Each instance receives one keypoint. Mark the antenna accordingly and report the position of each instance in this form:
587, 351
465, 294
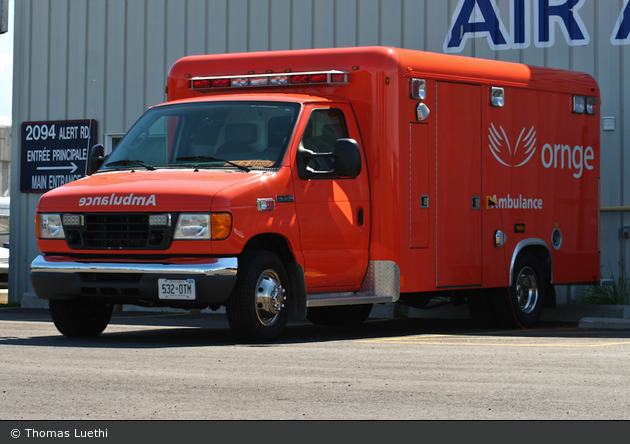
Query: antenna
88, 147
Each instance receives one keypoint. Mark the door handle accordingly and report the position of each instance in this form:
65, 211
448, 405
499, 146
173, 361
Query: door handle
424, 201
476, 202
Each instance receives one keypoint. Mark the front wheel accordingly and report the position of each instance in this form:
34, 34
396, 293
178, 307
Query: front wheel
256, 310
80, 318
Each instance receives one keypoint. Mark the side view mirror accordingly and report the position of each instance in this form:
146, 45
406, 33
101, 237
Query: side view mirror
95, 159
347, 160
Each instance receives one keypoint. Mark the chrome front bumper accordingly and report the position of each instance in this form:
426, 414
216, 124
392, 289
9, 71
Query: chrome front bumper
56, 277
224, 266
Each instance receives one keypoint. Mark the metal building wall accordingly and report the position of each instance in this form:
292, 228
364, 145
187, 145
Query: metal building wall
107, 60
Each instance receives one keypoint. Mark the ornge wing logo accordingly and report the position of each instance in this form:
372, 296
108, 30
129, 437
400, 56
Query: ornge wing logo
503, 151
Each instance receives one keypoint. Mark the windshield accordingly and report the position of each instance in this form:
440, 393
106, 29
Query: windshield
232, 135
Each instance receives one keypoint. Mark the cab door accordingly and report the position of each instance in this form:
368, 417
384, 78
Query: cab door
333, 212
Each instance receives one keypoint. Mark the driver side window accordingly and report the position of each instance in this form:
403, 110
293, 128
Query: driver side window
323, 129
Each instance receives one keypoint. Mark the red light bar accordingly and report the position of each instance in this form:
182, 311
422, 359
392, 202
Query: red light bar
334, 78
319, 78
338, 77
278, 80
240, 82
201, 84
299, 78
220, 83
259, 81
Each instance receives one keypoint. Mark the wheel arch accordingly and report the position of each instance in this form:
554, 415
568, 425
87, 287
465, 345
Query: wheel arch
279, 245
540, 250
271, 242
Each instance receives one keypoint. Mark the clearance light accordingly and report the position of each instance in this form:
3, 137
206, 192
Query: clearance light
578, 104
266, 204
591, 106
417, 89
333, 78
588, 105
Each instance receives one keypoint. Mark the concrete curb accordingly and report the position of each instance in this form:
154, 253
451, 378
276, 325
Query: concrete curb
604, 323
587, 316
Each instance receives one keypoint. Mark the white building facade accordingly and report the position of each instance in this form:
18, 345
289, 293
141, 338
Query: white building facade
106, 62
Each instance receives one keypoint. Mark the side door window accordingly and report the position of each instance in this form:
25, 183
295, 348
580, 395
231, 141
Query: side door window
323, 129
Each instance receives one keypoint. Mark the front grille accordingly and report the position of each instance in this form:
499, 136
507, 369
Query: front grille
116, 230
120, 231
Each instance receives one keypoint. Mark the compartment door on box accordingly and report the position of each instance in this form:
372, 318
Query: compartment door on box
458, 185
419, 178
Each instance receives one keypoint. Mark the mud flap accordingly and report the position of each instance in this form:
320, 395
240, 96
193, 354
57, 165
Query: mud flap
297, 306
550, 295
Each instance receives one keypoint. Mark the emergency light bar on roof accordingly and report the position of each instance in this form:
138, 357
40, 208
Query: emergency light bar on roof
333, 78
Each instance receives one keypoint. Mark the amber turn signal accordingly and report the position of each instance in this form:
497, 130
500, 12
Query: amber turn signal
220, 225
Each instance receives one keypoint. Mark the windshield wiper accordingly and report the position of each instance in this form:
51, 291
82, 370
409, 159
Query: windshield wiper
218, 159
132, 162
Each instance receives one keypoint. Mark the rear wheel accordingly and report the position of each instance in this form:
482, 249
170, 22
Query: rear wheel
523, 305
80, 318
256, 309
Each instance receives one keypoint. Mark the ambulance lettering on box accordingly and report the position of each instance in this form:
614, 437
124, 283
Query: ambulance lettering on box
317, 183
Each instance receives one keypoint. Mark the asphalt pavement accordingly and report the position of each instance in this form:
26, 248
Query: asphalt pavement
190, 366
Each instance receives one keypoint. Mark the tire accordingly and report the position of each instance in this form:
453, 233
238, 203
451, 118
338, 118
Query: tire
524, 302
339, 315
256, 310
80, 318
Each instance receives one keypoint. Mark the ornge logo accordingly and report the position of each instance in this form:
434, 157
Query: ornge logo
503, 151
557, 156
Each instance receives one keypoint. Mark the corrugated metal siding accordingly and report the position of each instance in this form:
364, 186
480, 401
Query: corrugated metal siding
107, 60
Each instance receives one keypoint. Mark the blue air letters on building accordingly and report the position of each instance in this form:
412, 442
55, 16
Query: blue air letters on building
552, 20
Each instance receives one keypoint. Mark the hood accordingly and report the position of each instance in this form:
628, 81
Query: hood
146, 191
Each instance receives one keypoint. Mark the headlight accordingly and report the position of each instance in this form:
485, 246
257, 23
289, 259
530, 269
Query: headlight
49, 226
192, 226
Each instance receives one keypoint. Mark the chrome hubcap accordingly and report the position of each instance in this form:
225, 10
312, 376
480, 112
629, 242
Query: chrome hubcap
527, 290
270, 297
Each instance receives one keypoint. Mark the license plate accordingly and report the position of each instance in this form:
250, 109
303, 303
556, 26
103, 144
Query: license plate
181, 289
